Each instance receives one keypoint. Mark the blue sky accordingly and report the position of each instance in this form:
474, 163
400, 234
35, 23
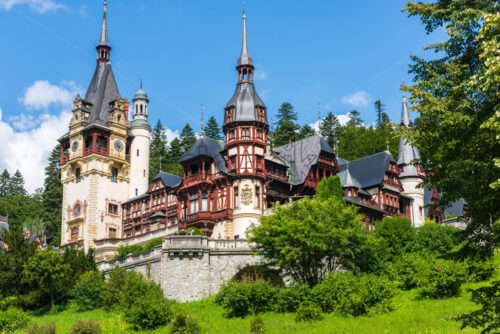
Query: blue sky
343, 54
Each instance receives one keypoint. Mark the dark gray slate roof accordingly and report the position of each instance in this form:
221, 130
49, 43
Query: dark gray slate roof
370, 170
407, 152
208, 147
302, 155
455, 208
244, 100
170, 180
101, 92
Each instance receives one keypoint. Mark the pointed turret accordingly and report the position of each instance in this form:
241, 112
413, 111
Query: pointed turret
244, 58
103, 48
407, 152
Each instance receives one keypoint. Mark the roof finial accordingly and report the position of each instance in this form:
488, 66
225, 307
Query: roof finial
244, 58
201, 123
104, 27
387, 138
141, 83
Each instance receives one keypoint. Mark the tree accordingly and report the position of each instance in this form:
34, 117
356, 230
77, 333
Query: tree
4, 183
305, 131
398, 233
51, 200
330, 188
328, 129
310, 238
16, 184
174, 154
457, 96
379, 110
188, 138
158, 150
354, 119
212, 130
286, 129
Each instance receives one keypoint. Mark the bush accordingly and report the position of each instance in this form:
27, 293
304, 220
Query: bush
436, 238
48, 328
151, 244
411, 270
346, 293
445, 279
398, 233
124, 250
479, 269
240, 299
88, 291
289, 299
148, 312
12, 320
182, 324
257, 326
86, 327
308, 313
254, 273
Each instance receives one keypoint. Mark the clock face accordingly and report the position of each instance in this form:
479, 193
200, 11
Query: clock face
76, 210
118, 145
74, 145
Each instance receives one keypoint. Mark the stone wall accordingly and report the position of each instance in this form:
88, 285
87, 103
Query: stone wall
189, 267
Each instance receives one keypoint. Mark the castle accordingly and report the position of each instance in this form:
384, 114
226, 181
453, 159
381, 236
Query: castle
226, 186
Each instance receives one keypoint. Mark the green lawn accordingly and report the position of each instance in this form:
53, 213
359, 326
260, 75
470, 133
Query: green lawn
410, 316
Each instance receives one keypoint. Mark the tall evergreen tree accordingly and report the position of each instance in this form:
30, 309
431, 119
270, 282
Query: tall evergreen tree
379, 110
354, 118
328, 129
52, 196
305, 131
286, 128
174, 154
16, 184
212, 130
4, 183
188, 138
158, 150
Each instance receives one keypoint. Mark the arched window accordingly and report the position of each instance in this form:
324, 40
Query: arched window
78, 175
141, 109
74, 233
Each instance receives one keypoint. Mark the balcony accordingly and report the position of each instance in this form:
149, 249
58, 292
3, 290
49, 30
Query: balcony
96, 150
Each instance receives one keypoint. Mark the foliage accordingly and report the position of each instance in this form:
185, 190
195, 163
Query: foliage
52, 197
259, 272
437, 238
158, 150
486, 317
151, 244
148, 311
257, 325
86, 327
458, 99
308, 313
45, 328
398, 233
89, 290
13, 319
479, 269
195, 231
349, 294
289, 299
286, 126
445, 279
184, 324
305, 131
124, 250
188, 138
330, 187
212, 130
328, 129
241, 299
310, 238
174, 154
411, 270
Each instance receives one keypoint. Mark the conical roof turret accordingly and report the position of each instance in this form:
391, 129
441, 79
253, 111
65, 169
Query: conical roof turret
244, 58
407, 152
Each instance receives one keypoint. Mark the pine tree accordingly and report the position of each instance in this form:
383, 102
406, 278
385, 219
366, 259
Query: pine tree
158, 150
52, 196
328, 128
174, 154
4, 183
305, 131
212, 130
286, 129
354, 119
16, 185
379, 110
188, 138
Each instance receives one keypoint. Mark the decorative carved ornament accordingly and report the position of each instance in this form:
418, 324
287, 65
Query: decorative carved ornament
247, 195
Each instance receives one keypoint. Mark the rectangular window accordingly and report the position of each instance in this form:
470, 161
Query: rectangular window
194, 203
74, 233
114, 175
245, 132
112, 232
204, 201
144, 173
78, 175
257, 197
349, 193
236, 199
112, 209
137, 152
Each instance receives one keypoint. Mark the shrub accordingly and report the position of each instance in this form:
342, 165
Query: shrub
182, 324
86, 327
411, 270
479, 269
151, 244
308, 313
257, 325
398, 233
289, 299
445, 279
254, 273
436, 238
346, 293
240, 299
13, 319
88, 291
148, 312
48, 328
124, 250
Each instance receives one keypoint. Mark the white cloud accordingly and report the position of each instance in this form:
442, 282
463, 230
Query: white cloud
343, 119
40, 6
28, 150
260, 75
42, 94
358, 99
23, 122
171, 135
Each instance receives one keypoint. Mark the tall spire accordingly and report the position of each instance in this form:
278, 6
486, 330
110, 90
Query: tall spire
244, 58
103, 47
405, 115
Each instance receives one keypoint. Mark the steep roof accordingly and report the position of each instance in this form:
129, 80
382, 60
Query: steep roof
302, 155
244, 100
370, 170
170, 180
208, 147
407, 152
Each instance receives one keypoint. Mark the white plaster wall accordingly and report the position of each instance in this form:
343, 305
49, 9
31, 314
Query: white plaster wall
139, 165
410, 189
